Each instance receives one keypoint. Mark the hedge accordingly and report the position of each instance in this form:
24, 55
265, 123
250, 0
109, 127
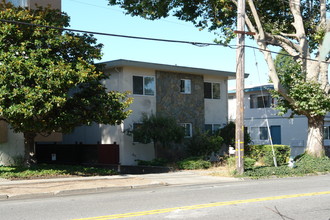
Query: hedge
264, 154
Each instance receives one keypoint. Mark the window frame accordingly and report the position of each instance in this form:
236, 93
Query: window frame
260, 135
326, 133
185, 88
213, 127
184, 125
212, 90
256, 103
144, 86
19, 3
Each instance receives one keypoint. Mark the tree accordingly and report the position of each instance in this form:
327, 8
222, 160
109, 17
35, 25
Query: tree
228, 135
48, 78
296, 26
158, 129
204, 144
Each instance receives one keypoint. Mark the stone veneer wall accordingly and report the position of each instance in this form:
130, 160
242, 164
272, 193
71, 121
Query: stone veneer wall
186, 108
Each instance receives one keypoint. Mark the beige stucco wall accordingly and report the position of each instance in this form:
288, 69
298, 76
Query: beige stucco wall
12, 148
121, 79
216, 110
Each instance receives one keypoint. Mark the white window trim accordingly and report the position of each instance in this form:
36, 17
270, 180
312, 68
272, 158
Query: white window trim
143, 86
213, 126
259, 133
256, 96
187, 89
212, 89
190, 129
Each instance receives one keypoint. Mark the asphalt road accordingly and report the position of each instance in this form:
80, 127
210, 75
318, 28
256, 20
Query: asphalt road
289, 198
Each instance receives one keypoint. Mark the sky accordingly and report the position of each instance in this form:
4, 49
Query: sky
98, 16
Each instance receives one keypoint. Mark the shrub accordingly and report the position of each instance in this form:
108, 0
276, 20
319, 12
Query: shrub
203, 144
248, 162
228, 135
264, 153
154, 162
194, 163
305, 164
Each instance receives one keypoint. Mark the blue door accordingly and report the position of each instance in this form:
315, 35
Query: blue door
275, 131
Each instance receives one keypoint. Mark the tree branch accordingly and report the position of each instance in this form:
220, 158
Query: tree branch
298, 24
260, 37
288, 35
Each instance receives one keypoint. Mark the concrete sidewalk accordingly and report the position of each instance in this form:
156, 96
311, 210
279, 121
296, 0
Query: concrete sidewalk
24, 189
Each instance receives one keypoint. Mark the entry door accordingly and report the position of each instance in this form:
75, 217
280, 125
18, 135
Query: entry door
275, 131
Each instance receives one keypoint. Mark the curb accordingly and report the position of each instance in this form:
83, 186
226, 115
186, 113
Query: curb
76, 192
3, 197
57, 180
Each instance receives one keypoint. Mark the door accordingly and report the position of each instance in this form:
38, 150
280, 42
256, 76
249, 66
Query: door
275, 132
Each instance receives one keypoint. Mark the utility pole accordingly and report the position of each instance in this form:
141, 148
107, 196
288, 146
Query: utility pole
240, 70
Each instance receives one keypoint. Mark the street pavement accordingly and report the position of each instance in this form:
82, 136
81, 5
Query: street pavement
38, 188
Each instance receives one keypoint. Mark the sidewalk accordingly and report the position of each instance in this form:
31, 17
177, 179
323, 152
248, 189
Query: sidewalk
25, 189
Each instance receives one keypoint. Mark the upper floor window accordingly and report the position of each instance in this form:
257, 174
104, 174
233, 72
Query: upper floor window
17, 3
144, 85
211, 90
260, 101
187, 129
185, 86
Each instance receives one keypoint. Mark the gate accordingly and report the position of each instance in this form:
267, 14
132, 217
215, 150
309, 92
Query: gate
78, 153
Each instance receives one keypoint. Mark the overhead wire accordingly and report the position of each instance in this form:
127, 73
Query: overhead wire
199, 44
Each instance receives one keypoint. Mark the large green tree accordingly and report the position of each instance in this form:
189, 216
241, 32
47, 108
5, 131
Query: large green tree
296, 26
48, 79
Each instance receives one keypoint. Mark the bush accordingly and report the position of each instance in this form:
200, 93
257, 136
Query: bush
228, 135
248, 162
203, 145
305, 164
193, 164
154, 162
264, 153
308, 164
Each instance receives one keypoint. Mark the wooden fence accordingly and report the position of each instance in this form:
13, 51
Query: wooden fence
78, 153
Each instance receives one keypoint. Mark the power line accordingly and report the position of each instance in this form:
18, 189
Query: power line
198, 44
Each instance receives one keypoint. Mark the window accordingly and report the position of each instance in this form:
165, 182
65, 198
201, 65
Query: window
212, 128
144, 85
185, 86
211, 90
326, 132
260, 101
187, 129
17, 3
259, 133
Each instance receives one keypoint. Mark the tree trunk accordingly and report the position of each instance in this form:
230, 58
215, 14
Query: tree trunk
315, 136
29, 150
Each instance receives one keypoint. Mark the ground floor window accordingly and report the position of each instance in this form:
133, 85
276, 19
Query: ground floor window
259, 133
212, 128
187, 129
326, 133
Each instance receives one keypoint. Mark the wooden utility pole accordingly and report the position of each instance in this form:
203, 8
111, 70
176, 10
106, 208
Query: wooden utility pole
240, 70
